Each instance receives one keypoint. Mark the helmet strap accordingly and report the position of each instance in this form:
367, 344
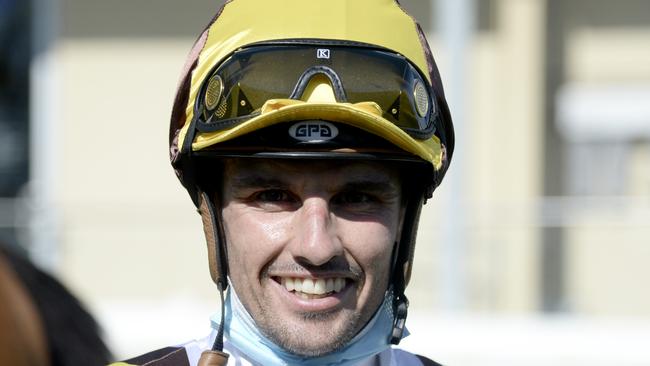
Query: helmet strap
218, 340
400, 304
215, 240
217, 257
402, 260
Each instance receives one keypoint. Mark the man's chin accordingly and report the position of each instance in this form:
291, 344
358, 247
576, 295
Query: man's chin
312, 348
314, 335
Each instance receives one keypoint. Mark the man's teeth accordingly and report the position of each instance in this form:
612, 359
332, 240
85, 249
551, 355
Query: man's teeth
311, 286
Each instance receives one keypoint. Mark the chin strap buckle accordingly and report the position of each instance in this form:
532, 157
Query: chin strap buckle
213, 358
400, 310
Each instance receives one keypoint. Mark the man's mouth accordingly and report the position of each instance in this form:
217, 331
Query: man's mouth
312, 288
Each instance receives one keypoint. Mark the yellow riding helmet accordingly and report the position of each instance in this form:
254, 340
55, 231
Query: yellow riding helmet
361, 40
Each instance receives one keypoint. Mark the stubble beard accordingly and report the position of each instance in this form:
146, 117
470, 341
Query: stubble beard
293, 338
334, 329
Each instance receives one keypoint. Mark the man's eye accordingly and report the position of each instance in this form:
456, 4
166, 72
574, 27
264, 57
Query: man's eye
354, 198
274, 195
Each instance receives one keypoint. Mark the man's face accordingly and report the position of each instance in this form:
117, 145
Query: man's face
309, 246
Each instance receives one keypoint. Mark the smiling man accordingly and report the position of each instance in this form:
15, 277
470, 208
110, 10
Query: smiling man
312, 242
309, 134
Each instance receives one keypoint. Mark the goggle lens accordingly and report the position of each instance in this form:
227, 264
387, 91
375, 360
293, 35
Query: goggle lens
240, 86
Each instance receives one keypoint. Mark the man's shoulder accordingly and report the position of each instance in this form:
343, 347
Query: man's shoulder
402, 357
178, 356
168, 356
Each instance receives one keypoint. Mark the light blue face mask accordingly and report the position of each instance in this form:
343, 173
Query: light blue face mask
241, 332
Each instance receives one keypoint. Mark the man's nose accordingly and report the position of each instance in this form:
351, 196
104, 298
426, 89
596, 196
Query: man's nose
316, 241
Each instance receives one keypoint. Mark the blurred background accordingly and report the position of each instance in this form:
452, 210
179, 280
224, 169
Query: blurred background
535, 250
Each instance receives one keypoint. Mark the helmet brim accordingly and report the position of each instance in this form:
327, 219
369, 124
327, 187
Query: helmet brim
429, 150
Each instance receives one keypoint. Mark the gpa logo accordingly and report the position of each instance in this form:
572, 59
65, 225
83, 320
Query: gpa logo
313, 132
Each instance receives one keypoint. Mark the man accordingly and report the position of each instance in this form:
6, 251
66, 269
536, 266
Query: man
308, 134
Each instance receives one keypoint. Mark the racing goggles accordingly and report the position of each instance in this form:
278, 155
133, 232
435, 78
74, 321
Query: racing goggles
238, 87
